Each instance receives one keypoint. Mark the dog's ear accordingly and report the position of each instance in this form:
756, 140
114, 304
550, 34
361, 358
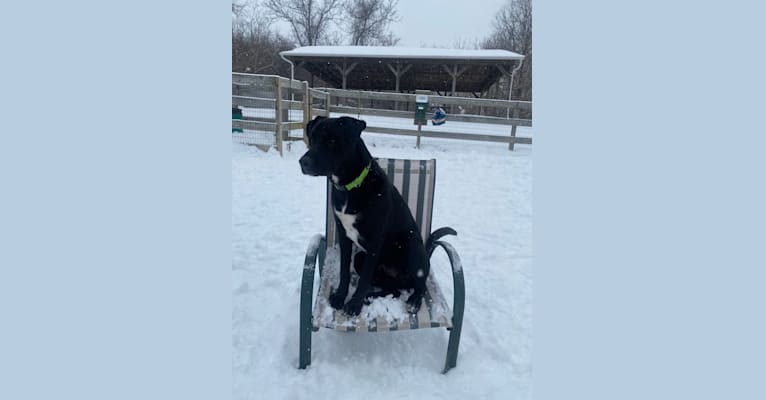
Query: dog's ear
357, 124
313, 122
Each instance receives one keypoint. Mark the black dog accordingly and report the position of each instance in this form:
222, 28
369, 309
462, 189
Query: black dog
369, 212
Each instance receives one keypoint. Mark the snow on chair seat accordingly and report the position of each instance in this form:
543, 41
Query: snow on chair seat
383, 313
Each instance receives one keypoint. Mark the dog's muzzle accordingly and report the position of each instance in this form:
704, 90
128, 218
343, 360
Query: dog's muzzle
307, 165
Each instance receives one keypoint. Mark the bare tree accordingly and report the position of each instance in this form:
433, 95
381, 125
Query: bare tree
236, 8
513, 31
469, 44
309, 20
389, 39
248, 19
254, 46
368, 21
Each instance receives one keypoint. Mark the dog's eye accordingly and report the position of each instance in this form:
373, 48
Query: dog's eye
332, 140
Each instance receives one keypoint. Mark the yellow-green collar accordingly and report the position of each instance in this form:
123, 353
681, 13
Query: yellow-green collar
356, 182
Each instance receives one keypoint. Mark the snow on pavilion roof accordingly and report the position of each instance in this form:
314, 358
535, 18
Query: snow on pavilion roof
402, 53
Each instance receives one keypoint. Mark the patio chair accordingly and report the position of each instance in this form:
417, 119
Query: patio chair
415, 180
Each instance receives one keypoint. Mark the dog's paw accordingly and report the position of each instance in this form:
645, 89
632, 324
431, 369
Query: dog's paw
337, 299
413, 303
354, 306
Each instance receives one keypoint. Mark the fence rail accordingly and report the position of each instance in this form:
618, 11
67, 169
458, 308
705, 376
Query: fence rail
408, 114
447, 100
268, 109
450, 135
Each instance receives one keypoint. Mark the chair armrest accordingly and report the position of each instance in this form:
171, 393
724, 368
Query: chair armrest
457, 280
309, 265
312, 251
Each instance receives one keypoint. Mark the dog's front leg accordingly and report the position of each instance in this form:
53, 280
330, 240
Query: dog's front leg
371, 260
338, 298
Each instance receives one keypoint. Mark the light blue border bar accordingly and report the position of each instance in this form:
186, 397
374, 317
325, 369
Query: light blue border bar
115, 219
649, 200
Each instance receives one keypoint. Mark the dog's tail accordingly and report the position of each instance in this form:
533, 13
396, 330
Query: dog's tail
436, 235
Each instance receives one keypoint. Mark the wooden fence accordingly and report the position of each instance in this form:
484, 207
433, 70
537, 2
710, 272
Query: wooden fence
259, 119
256, 96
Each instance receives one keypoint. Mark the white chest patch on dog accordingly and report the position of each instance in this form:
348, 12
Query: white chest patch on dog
348, 220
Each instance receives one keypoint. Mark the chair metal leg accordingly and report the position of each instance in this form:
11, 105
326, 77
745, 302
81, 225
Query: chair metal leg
452, 347
458, 305
307, 289
304, 355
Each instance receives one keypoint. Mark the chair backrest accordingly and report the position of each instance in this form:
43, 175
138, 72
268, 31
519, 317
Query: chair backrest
415, 180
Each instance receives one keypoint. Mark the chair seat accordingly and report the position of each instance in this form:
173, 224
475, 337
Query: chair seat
383, 313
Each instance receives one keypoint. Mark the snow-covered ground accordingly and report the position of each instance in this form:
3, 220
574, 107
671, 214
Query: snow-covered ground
483, 191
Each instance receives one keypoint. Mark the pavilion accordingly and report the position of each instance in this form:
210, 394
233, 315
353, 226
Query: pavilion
405, 69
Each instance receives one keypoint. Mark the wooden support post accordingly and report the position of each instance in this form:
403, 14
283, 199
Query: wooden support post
359, 104
344, 72
454, 79
328, 101
506, 73
398, 72
396, 103
454, 84
513, 128
454, 73
278, 113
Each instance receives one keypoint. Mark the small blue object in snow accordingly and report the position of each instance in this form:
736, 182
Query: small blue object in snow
439, 118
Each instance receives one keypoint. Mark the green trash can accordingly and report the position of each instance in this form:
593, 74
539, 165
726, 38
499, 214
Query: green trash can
236, 113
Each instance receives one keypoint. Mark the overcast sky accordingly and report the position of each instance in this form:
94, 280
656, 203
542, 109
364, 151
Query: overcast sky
441, 23
444, 22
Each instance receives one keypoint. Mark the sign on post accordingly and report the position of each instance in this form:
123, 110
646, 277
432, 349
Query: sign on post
421, 103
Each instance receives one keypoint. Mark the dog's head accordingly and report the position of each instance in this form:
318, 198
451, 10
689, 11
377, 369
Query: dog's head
331, 142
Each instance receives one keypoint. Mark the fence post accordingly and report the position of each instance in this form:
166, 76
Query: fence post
513, 128
278, 113
359, 104
306, 110
417, 145
328, 101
